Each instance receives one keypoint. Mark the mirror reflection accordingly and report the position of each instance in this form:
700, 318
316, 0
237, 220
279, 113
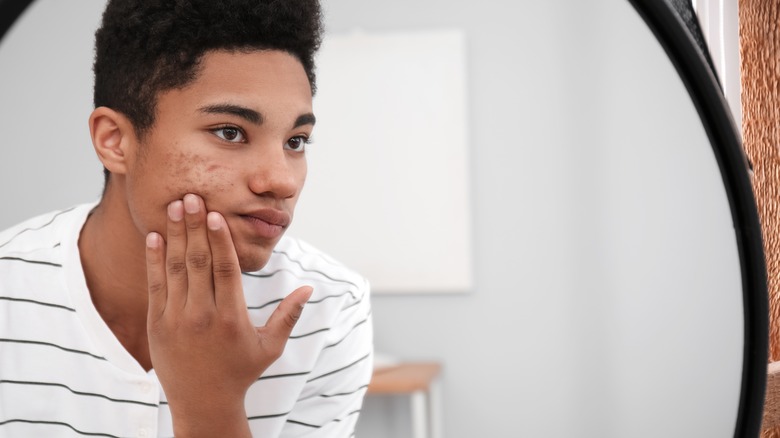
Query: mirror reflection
605, 297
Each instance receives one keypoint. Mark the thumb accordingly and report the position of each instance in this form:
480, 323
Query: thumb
282, 321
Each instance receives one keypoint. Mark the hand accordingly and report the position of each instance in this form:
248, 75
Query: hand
203, 346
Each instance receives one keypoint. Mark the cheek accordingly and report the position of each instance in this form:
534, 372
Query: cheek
158, 180
191, 173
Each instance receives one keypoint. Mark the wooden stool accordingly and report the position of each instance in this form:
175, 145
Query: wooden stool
420, 381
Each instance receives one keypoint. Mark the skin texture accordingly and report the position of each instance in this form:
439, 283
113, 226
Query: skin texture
164, 250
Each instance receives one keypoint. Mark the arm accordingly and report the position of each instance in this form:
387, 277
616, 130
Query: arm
204, 348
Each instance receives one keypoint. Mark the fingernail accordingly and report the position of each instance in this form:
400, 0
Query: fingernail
191, 204
175, 211
214, 221
153, 240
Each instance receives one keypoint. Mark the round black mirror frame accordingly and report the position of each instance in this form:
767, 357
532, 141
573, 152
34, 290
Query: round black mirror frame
694, 67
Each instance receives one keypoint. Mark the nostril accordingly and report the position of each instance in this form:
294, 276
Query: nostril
277, 185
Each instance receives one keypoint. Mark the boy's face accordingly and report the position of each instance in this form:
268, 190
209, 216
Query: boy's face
235, 136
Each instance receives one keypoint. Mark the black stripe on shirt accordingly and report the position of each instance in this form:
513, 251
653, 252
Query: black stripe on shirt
320, 255
47, 344
317, 301
333, 296
297, 262
37, 262
41, 303
342, 394
296, 274
279, 300
88, 394
340, 369
262, 417
301, 423
348, 333
57, 423
335, 420
280, 376
310, 334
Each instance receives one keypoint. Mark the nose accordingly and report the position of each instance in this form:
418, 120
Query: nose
277, 174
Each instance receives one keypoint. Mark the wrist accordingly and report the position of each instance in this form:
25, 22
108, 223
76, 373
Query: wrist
195, 420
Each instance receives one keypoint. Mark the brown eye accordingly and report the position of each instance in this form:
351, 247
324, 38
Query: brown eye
297, 144
230, 134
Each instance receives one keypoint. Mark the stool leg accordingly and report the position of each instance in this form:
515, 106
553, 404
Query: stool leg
436, 410
418, 403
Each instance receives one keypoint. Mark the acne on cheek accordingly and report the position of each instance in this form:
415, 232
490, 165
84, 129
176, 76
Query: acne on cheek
196, 174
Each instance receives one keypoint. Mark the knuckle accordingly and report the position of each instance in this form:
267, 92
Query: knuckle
230, 327
193, 223
224, 269
156, 288
198, 260
176, 266
291, 319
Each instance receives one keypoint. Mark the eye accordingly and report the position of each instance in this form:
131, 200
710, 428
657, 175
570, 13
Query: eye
230, 133
297, 143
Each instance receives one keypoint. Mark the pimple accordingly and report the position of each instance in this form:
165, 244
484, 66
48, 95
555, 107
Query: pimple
198, 174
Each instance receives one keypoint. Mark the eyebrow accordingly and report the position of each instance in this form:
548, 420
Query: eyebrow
305, 119
247, 114
253, 116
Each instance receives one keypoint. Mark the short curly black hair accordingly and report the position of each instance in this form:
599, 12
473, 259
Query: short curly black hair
144, 47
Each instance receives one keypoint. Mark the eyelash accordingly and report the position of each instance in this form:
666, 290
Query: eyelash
240, 132
305, 142
305, 139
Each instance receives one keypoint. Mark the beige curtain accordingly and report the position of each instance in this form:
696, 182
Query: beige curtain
759, 35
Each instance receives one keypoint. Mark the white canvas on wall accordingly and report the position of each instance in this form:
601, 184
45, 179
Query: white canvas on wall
388, 186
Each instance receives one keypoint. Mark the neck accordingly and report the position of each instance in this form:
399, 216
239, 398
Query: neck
113, 258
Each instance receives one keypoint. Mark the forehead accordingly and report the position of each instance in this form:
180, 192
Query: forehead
267, 80
252, 67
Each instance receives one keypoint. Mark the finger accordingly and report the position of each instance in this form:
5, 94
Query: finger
156, 275
282, 321
176, 245
200, 284
226, 271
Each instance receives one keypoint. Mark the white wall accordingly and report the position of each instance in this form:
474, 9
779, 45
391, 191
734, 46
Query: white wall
607, 300
47, 159
607, 295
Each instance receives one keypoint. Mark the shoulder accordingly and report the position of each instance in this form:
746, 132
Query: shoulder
33, 257
37, 239
42, 231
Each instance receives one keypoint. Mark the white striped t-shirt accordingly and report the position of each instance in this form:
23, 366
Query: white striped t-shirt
64, 374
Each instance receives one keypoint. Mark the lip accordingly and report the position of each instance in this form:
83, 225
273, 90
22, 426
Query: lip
267, 222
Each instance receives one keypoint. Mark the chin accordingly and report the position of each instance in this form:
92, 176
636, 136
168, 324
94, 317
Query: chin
251, 261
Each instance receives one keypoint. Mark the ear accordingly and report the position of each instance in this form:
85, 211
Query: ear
113, 138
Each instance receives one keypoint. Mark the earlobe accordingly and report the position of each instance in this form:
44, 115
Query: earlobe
112, 137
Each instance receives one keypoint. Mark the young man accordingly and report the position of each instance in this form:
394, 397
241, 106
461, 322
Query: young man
175, 304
